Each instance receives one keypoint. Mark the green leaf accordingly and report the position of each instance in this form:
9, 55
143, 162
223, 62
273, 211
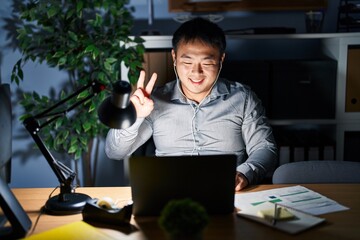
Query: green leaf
62, 61
59, 122
92, 107
90, 48
25, 116
73, 140
111, 60
20, 73
78, 154
70, 13
62, 94
83, 140
93, 50
73, 36
36, 96
52, 11
107, 66
58, 54
59, 139
72, 149
98, 20
86, 126
102, 76
77, 128
79, 6
83, 94
95, 53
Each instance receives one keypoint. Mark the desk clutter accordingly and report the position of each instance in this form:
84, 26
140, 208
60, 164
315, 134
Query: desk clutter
232, 226
104, 211
297, 223
289, 209
75, 231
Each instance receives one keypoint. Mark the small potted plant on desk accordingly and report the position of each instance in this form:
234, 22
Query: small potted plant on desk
183, 219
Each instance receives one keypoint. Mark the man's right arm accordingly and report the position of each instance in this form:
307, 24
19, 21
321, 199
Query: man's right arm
123, 142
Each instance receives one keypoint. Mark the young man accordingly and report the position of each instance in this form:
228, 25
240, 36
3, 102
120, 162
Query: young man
200, 113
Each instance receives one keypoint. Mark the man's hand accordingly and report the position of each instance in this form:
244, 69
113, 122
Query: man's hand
141, 97
240, 181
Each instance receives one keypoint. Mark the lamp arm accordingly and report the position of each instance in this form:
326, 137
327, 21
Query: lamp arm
64, 174
33, 127
96, 88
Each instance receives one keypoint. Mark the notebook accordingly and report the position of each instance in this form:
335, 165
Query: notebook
209, 180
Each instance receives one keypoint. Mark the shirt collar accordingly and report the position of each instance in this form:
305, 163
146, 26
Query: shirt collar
220, 88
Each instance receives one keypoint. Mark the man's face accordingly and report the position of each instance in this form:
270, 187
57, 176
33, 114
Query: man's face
197, 66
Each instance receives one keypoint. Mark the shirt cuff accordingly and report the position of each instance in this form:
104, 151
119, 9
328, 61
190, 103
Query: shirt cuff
247, 171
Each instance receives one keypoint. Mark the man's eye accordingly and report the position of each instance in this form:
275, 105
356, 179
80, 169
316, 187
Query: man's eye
187, 63
209, 64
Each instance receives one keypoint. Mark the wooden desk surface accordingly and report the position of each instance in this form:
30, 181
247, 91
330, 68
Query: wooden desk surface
338, 225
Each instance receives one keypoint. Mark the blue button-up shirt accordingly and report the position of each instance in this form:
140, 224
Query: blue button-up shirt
230, 120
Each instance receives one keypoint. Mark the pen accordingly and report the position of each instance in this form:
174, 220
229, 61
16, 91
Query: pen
276, 214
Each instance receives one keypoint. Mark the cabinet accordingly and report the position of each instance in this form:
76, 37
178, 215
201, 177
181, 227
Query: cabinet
159, 61
304, 81
244, 5
353, 79
348, 16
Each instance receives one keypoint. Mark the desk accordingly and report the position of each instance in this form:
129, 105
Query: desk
338, 225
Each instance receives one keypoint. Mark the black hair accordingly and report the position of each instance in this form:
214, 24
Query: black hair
200, 29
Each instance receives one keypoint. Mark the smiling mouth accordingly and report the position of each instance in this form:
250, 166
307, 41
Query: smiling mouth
196, 81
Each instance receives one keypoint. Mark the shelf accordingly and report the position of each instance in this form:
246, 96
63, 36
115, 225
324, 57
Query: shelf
349, 21
350, 8
348, 15
245, 5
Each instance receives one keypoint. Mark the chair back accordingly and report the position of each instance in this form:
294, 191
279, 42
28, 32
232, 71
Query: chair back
325, 171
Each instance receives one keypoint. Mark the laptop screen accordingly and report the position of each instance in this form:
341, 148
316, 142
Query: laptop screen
209, 180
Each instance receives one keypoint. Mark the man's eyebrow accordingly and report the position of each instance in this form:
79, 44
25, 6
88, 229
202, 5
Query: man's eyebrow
209, 57
185, 56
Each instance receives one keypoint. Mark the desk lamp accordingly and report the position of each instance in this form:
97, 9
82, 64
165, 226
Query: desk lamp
116, 112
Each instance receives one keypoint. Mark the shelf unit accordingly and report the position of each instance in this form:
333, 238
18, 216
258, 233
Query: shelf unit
343, 126
348, 16
245, 5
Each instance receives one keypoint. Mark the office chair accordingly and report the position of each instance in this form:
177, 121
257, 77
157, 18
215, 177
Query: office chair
318, 172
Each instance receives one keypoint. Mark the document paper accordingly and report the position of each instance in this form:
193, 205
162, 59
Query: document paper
295, 197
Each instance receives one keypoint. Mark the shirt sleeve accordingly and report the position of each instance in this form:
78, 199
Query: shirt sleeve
120, 143
259, 140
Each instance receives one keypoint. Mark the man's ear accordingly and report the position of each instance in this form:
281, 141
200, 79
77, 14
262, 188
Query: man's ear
173, 55
222, 58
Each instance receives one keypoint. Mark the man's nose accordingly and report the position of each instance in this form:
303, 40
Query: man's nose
197, 68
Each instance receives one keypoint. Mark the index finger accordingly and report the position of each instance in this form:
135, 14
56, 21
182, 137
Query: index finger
141, 80
151, 83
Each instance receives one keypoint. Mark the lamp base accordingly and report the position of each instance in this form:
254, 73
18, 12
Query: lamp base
72, 203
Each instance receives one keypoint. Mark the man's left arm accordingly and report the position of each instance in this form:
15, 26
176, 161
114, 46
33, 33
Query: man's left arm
260, 143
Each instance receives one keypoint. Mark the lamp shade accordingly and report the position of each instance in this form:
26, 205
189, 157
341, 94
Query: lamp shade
117, 111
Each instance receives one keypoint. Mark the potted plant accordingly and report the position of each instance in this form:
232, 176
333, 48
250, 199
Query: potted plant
183, 219
87, 38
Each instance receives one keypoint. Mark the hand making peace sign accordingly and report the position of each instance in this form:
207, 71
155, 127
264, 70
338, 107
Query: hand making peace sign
141, 97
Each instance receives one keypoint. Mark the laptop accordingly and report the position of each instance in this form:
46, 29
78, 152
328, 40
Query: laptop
12, 211
209, 180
